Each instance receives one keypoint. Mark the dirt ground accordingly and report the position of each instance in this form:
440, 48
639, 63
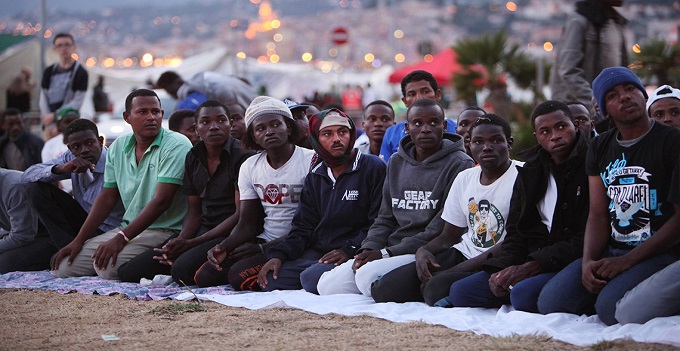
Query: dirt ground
46, 320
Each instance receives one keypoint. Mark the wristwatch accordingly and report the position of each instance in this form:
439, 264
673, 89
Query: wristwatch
384, 253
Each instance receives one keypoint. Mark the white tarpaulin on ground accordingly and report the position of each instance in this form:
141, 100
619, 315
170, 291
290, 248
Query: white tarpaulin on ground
573, 329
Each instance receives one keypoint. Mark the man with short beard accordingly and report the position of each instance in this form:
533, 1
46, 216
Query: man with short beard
418, 179
339, 202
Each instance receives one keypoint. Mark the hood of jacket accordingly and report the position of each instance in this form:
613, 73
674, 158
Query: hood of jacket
450, 143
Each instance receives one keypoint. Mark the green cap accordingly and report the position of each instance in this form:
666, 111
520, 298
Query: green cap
66, 111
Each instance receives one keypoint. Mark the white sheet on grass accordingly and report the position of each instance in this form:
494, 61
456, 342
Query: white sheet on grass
577, 330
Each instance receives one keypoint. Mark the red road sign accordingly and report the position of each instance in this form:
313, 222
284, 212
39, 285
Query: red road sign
339, 36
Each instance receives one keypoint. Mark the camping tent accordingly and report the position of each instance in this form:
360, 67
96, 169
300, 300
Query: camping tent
443, 66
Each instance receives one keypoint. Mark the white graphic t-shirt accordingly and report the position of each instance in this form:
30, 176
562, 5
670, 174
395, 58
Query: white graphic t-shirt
483, 209
278, 189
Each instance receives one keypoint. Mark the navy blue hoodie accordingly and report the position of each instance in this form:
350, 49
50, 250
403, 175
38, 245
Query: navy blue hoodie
336, 216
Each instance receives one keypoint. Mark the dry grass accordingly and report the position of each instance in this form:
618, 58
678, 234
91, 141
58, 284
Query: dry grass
45, 320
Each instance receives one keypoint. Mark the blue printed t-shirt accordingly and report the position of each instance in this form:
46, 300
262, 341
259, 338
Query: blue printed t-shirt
162, 162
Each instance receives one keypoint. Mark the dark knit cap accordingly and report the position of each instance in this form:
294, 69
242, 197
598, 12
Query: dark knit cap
611, 77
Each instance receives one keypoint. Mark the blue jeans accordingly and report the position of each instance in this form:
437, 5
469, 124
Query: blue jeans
289, 274
565, 292
309, 278
474, 291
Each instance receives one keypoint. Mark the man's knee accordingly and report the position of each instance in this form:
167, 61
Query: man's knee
75, 269
309, 278
109, 273
339, 280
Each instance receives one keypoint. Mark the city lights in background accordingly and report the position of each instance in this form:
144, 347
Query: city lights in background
636, 48
548, 46
260, 38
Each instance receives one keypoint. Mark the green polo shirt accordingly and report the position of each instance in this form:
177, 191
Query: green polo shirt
163, 162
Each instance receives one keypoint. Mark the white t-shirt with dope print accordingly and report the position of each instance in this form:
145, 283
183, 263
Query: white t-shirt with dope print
277, 189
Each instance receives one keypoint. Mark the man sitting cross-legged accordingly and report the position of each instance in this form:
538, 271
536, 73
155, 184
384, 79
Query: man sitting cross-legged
144, 170
339, 202
475, 214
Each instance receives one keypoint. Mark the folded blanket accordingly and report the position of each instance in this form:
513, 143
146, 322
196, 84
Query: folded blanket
44, 280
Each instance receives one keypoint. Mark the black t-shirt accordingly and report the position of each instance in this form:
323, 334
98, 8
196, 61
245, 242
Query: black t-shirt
642, 181
216, 191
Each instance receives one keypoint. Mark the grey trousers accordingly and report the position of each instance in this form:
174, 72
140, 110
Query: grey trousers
656, 296
83, 265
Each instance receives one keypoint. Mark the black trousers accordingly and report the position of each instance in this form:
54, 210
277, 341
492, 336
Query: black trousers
33, 257
403, 285
61, 215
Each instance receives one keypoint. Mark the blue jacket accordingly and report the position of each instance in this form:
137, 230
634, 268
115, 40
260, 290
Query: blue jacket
335, 216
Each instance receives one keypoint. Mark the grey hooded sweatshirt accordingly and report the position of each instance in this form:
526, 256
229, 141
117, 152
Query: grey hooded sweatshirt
413, 196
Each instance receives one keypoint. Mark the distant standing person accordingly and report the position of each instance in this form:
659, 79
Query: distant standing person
20, 91
63, 83
99, 98
592, 40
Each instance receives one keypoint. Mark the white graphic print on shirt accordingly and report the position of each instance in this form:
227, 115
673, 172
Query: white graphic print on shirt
632, 201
